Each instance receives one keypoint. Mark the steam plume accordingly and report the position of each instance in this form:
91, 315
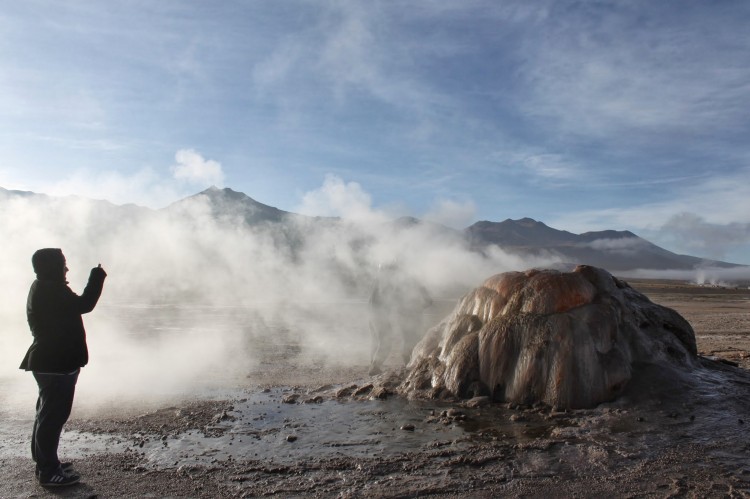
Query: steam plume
194, 296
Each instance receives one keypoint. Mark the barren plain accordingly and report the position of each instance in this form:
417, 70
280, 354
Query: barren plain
320, 431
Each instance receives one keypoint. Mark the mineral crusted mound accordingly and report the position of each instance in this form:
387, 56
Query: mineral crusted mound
570, 340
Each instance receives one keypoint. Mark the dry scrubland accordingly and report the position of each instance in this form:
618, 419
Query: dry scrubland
688, 438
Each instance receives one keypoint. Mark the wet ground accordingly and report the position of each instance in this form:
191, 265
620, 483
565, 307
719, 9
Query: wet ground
314, 430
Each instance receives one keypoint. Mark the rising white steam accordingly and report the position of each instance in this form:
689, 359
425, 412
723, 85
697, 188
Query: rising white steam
195, 295
337, 198
714, 276
452, 213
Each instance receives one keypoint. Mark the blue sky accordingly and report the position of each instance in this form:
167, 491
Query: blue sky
586, 115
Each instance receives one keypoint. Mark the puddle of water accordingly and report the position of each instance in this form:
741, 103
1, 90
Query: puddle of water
496, 422
266, 428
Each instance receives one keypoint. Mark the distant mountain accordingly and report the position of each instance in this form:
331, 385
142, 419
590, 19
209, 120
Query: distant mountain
610, 249
100, 207
7, 194
229, 203
523, 233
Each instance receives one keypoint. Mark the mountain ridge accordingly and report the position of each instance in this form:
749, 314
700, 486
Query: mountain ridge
611, 249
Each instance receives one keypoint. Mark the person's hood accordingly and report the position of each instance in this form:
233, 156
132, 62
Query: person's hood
49, 264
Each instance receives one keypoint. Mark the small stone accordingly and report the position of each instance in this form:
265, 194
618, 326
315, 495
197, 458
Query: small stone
408, 427
380, 393
291, 438
477, 402
362, 390
344, 392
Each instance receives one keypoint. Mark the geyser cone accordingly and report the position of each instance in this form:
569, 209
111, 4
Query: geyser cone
570, 340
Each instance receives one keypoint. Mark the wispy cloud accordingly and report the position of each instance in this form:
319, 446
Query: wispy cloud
710, 216
77, 142
549, 167
353, 57
693, 232
608, 68
623, 246
194, 169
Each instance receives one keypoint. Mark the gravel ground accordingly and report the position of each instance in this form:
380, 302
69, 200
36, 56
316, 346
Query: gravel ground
305, 431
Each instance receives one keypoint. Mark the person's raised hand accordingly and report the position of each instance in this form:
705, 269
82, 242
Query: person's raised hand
99, 271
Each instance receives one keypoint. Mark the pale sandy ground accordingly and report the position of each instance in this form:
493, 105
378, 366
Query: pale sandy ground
307, 431
719, 316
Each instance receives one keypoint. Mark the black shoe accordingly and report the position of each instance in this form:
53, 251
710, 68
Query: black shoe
59, 479
67, 469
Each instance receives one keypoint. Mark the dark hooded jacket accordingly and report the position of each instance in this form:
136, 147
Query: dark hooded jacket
54, 314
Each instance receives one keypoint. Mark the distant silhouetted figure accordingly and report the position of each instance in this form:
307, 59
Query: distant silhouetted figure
56, 356
397, 304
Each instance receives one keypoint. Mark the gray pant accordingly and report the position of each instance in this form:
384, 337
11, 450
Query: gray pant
53, 408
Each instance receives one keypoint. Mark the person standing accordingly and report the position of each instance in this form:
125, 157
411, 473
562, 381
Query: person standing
56, 355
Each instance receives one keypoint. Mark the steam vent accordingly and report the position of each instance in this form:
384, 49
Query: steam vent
570, 340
